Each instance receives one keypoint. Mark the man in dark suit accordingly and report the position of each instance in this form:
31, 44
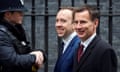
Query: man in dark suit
64, 28
97, 55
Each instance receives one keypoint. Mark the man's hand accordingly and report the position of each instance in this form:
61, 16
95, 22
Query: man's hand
39, 58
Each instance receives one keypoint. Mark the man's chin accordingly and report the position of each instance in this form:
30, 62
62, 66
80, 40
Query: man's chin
81, 36
19, 22
59, 35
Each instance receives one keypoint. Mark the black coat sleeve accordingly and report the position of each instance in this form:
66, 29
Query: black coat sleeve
8, 55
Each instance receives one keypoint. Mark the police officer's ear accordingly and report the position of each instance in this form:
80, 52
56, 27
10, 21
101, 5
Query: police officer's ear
7, 14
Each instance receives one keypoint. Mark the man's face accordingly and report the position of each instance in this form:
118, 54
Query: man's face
63, 24
84, 26
15, 17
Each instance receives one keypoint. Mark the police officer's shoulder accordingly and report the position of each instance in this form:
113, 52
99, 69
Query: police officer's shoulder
3, 28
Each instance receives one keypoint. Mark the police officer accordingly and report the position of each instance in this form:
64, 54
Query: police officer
15, 54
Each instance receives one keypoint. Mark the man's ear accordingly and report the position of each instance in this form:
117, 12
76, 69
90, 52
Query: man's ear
96, 22
7, 14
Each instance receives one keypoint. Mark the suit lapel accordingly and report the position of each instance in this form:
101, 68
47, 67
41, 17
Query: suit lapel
88, 52
69, 49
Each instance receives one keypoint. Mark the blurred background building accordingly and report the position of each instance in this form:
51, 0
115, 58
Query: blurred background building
39, 24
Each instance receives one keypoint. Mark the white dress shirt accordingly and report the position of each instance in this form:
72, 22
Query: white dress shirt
68, 40
88, 41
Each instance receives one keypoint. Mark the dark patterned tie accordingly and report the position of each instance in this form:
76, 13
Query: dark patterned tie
61, 48
80, 52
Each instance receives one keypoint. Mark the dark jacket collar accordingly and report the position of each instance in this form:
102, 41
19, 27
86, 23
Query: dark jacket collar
16, 29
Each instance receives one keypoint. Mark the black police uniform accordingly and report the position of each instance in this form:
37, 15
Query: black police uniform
14, 48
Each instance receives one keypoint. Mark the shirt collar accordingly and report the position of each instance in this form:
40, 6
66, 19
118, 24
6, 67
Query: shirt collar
69, 38
87, 42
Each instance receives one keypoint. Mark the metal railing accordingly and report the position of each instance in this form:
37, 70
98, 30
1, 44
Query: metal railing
46, 15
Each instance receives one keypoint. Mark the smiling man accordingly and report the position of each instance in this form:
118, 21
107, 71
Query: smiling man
97, 55
65, 31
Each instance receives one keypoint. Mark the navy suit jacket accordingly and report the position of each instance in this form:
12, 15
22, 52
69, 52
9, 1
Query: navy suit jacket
98, 57
65, 61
